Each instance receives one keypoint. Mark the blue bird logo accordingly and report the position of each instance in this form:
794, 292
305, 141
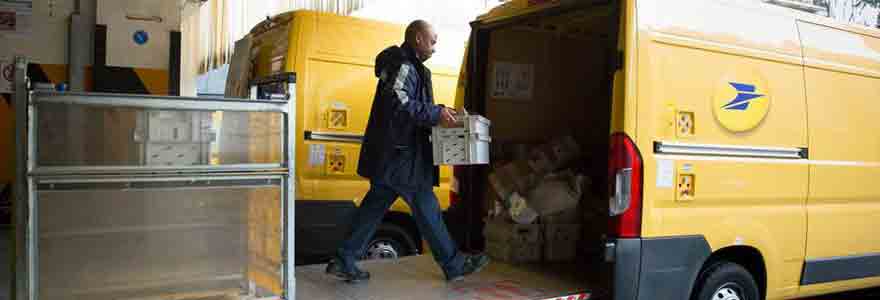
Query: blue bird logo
745, 95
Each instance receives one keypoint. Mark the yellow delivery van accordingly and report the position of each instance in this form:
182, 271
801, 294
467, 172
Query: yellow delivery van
731, 144
331, 58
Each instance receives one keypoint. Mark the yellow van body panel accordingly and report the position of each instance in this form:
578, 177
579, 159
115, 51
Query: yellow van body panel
811, 83
629, 44
333, 58
685, 61
843, 63
845, 155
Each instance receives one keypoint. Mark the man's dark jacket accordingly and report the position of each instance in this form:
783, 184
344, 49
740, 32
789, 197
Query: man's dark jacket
396, 148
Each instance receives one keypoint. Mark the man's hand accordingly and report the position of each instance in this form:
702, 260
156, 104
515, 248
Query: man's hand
447, 118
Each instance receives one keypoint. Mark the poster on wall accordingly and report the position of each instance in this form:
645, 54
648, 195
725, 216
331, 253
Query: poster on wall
15, 20
513, 81
7, 20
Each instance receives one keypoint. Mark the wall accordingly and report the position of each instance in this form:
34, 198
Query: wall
213, 83
46, 41
568, 96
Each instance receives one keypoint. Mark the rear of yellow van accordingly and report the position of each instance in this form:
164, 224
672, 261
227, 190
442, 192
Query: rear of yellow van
726, 139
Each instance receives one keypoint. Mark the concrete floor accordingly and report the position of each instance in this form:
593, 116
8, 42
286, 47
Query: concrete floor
333, 289
419, 277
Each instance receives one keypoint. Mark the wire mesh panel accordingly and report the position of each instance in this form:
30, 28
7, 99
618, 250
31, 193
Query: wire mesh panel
75, 135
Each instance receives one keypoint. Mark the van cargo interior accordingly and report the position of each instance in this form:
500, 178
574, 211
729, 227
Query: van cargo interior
539, 78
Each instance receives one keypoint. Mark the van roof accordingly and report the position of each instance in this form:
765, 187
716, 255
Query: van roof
447, 61
515, 8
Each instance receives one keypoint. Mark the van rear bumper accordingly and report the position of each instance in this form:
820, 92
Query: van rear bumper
656, 268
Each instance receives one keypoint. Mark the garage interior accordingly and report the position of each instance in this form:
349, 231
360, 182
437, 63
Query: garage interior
169, 189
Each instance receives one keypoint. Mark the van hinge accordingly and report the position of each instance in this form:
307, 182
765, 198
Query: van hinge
619, 60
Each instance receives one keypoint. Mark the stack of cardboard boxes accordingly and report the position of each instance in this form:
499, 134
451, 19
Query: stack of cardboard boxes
511, 242
536, 213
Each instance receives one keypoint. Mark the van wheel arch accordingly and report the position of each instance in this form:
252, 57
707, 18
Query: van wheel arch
747, 257
407, 223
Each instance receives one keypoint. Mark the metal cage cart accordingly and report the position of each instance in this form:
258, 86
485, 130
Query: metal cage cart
151, 197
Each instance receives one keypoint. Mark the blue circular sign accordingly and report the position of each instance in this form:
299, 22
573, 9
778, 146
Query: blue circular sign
141, 37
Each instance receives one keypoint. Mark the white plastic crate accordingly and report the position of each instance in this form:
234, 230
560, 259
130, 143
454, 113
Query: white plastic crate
465, 145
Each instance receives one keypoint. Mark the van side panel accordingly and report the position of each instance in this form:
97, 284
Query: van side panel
339, 93
264, 236
333, 59
704, 79
843, 87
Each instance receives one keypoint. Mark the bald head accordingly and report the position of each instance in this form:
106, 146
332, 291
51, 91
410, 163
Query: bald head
421, 36
415, 28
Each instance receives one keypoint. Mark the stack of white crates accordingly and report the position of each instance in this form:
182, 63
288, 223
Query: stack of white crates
467, 144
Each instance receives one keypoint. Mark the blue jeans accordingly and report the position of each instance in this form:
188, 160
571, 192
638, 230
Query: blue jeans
426, 212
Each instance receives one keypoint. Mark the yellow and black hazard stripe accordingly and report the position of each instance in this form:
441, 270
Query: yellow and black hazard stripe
110, 79
49, 73
55, 73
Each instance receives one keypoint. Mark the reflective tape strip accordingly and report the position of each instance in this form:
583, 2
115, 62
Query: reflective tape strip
399, 84
334, 137
729, 150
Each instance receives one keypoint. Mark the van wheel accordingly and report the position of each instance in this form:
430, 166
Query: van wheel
726, 281
389, 242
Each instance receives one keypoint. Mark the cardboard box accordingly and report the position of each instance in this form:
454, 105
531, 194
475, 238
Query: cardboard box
514, 252
562, 232
561, 242
500, 230
513, 177
560, 250
568, 216
554, 155
556, 193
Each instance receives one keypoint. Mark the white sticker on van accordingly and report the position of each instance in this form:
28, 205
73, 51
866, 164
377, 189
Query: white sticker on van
665, 173
687, 168
513, 81
317, 152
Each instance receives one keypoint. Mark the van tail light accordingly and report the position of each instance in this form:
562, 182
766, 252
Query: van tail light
625, 187
454, 197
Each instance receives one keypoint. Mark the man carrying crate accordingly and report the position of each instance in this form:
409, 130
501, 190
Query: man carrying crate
396, 156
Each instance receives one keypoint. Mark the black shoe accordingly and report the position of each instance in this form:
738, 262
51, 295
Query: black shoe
335, 268
472, 264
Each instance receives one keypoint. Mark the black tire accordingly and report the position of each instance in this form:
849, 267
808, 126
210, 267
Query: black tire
723, 279
393, 236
